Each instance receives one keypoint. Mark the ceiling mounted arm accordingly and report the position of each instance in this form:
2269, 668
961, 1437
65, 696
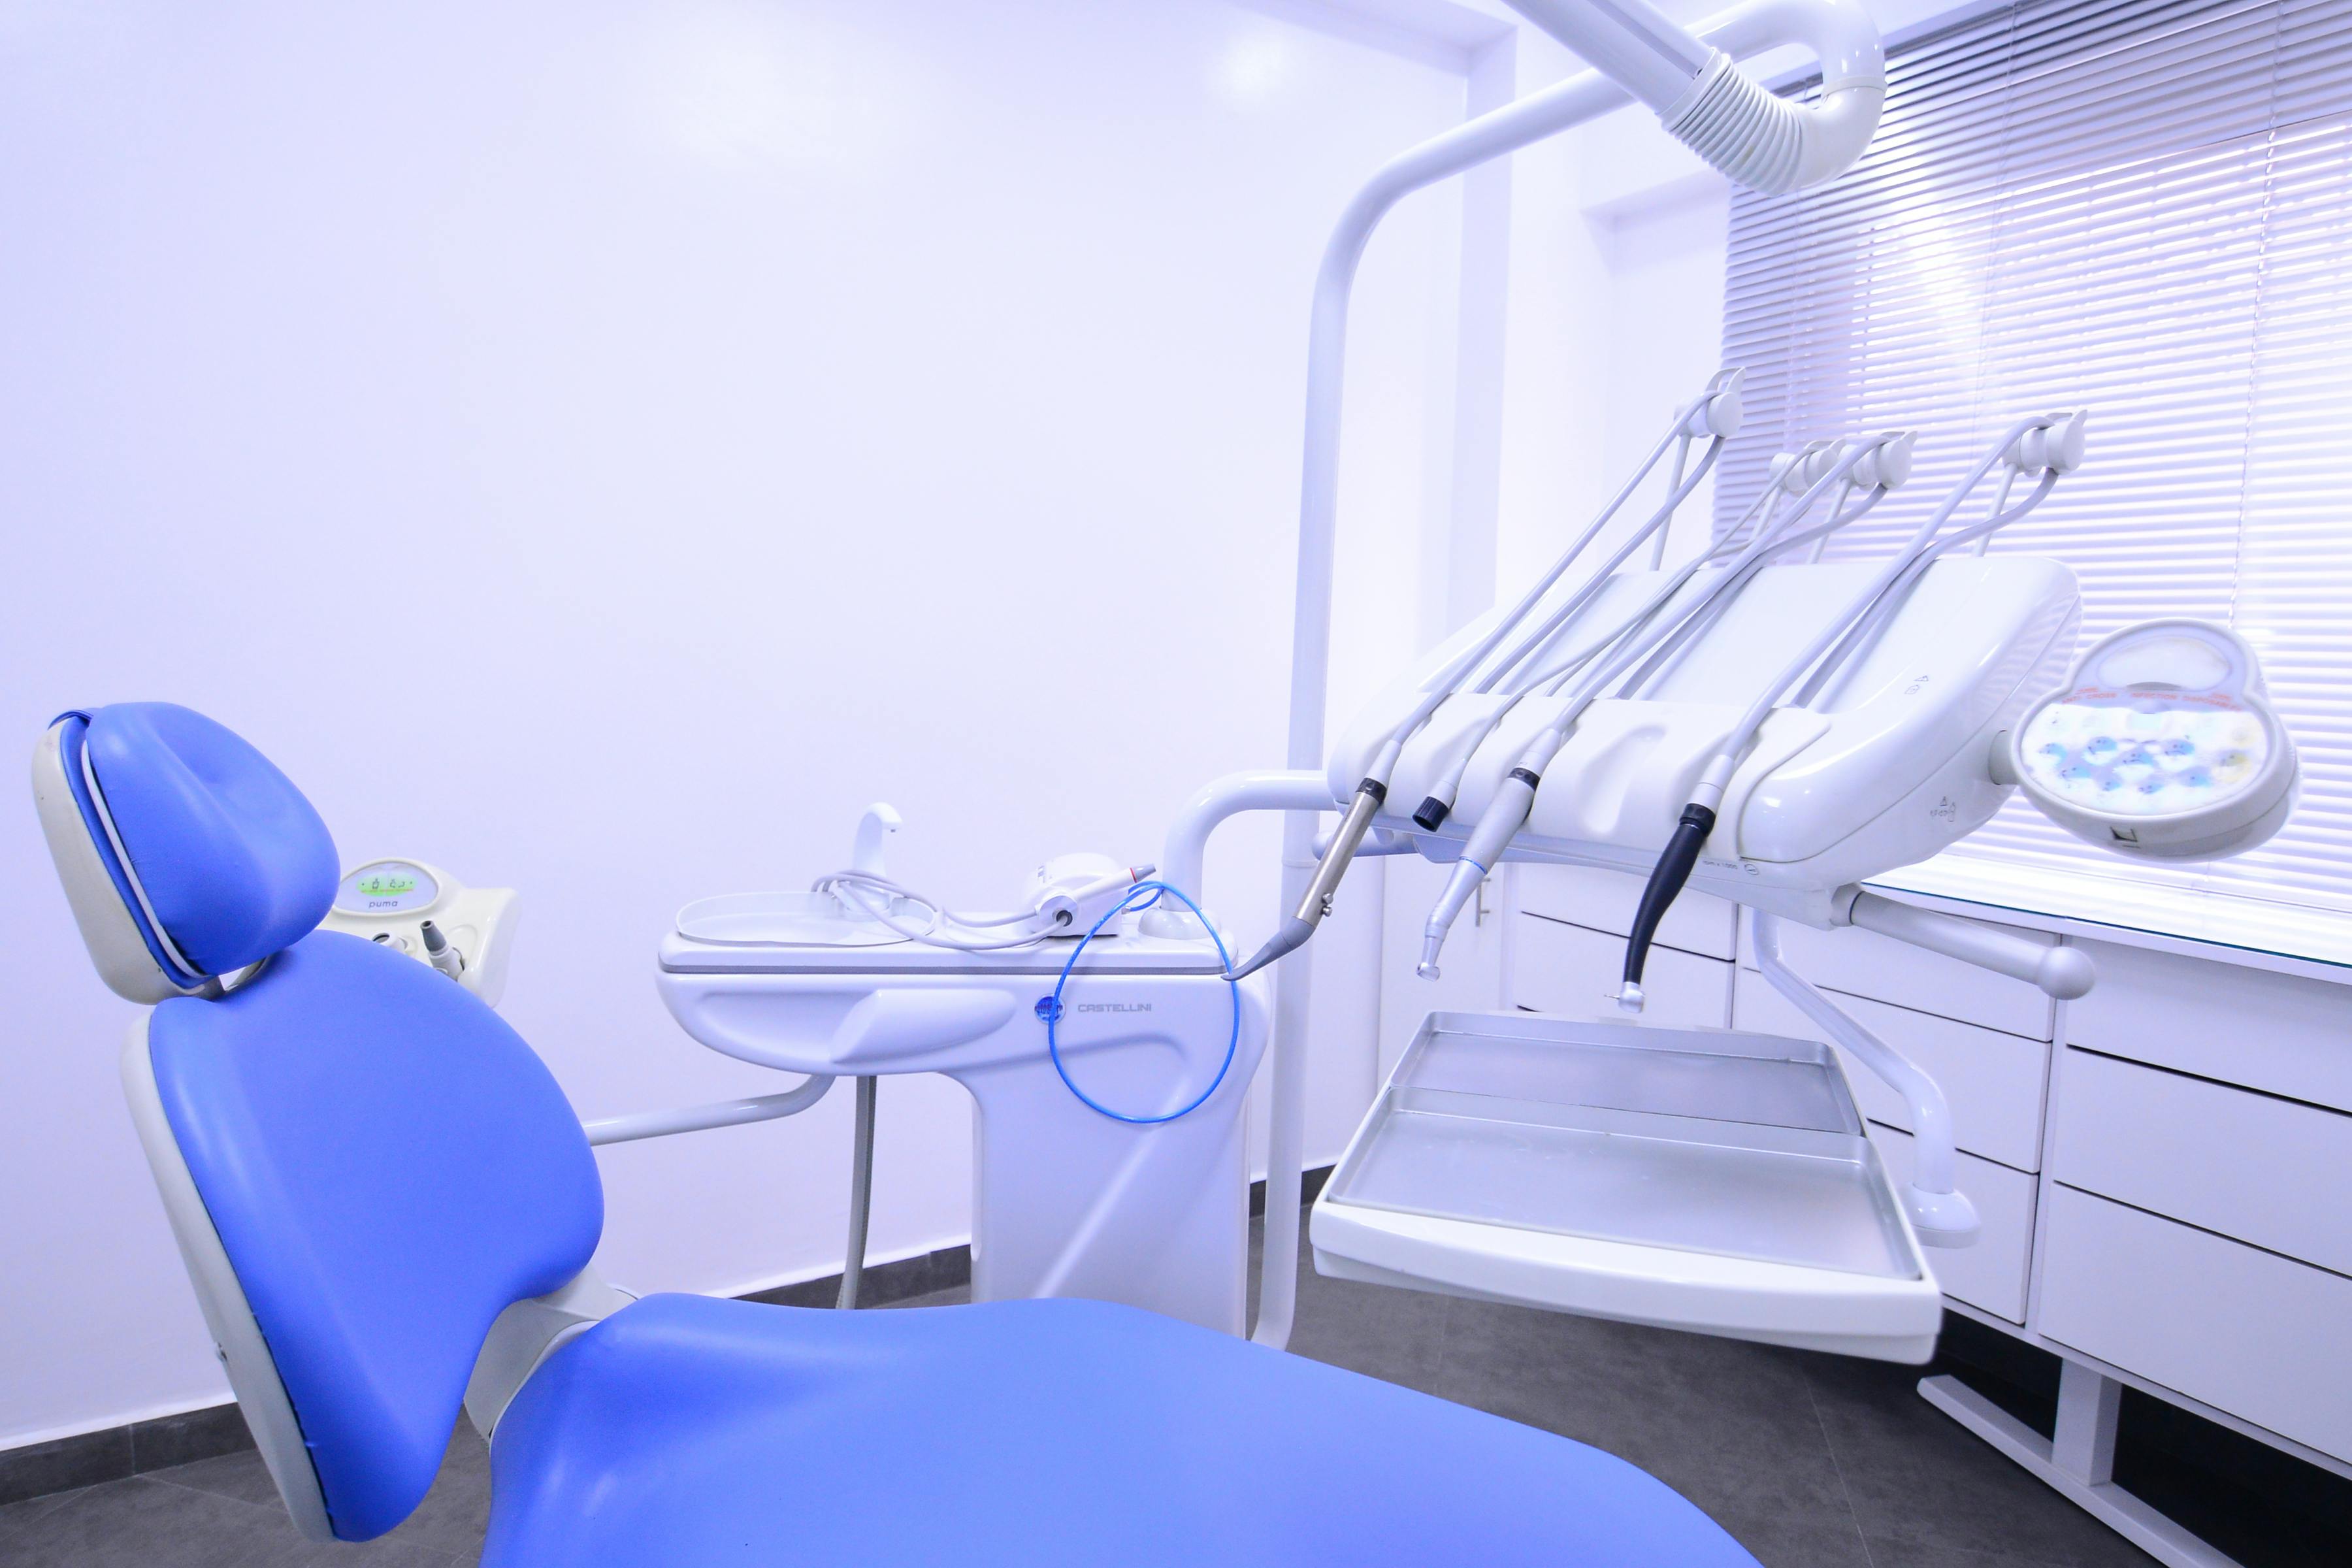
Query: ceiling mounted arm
1764, 142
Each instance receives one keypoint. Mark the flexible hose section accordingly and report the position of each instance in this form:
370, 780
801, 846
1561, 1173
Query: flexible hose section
1766, 142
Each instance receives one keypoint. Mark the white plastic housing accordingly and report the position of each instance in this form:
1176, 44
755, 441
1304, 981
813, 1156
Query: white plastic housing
1066, 1201
388, 899
115, 946
236, 1338
2161, 746
1889, 769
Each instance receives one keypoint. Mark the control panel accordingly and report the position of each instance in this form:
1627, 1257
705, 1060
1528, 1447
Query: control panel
412, 908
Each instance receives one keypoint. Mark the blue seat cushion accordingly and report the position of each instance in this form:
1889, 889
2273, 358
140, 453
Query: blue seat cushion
688, 1431
233, 860
389, 1167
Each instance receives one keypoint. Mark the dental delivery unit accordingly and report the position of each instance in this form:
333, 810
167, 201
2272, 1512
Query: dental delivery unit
387, 1207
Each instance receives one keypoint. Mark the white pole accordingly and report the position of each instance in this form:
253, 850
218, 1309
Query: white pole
1506, 130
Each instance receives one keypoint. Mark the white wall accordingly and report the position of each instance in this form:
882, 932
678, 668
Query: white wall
599, 446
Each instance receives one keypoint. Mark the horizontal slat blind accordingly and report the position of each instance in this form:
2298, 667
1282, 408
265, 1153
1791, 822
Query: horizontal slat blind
2140, 206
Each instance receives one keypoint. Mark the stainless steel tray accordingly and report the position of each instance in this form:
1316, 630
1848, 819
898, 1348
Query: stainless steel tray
1704, 1141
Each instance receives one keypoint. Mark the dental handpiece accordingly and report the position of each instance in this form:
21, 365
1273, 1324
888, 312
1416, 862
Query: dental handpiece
1642, 638
1432, 812
1317, 901
1718, 412
1715, 414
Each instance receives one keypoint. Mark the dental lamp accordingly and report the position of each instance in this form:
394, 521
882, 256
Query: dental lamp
2161, 746
1757, 139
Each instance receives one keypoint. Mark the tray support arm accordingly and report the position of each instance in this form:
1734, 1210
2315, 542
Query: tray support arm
1939, 1211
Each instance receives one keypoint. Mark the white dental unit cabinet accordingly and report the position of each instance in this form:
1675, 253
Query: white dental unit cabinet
1592, 756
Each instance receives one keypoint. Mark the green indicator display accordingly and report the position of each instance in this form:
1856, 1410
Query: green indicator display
387, 887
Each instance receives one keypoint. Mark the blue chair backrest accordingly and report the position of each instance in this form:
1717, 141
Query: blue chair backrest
386, 1164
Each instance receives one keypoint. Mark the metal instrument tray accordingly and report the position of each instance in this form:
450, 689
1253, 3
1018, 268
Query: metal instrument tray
1695, 1140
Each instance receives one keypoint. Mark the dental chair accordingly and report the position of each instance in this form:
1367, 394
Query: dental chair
371, 1177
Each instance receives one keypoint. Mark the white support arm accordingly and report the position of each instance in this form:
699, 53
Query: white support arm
2064, 972
1744, 30
1942, 1214
1763, 142
1188, 838
700, 1118
1305, 794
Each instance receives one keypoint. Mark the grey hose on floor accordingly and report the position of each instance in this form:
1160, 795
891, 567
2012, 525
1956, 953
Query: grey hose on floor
861, 1193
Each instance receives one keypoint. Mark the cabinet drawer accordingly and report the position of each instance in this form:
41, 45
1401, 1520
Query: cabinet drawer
1605, 901
2247, 1332
2247, 1166
2282, 1033
1864, 964
1991, 1274
1993, 1082
1574, 972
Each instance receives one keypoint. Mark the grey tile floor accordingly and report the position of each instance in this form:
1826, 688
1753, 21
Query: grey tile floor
1811, 1461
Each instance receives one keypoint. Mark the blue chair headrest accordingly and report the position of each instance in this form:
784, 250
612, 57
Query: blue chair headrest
216, 858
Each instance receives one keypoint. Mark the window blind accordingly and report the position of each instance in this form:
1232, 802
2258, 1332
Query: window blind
2145, 207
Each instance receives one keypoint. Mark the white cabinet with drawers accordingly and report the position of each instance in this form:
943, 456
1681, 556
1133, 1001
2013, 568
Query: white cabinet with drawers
1605, 901
2238, 1329
2273, 1172
2163, 1167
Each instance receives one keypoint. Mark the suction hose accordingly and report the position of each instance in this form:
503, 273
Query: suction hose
1665, 883
1768, 143
1764, 142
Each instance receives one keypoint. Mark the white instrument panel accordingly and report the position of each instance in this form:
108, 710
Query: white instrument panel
1888, 766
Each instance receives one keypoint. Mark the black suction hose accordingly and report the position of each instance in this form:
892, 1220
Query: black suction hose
1666, 879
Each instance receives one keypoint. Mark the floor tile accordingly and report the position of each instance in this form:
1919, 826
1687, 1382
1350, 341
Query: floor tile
144, 1523
451, 1519
1780, 1542
1398, 1336
16, 1516
1730, 1426
952, 1296
240, 1475
1890, 1553
1921, 1483
455, 1513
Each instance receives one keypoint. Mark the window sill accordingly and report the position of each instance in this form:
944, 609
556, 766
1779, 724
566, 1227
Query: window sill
2219, 928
